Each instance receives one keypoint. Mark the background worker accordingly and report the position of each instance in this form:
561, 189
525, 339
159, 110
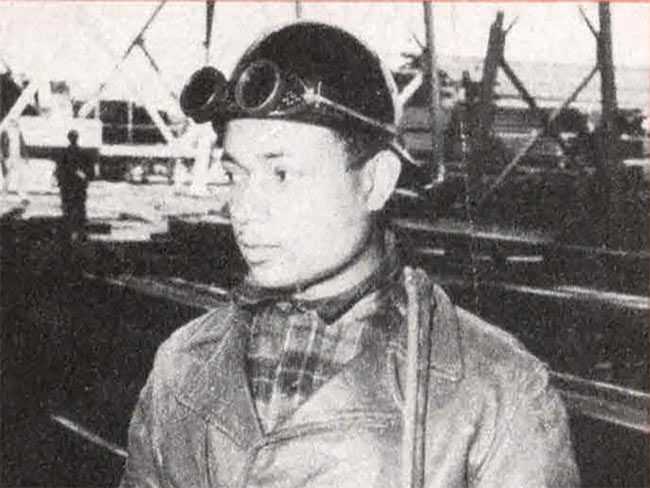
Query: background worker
73, 173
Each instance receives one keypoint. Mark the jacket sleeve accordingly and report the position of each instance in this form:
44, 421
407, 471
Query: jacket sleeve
531, 446
143, 465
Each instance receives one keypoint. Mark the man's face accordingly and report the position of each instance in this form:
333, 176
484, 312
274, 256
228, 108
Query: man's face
297, 209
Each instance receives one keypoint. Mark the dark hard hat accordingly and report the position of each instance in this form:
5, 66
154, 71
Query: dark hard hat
309, 72
349, 72
268, 80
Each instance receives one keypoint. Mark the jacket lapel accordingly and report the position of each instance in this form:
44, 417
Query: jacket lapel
360, 390
370, 384
219, 389
446, 359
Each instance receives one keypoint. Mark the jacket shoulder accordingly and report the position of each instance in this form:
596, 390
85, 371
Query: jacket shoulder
183, 348
475, 349
488, 349
207, 328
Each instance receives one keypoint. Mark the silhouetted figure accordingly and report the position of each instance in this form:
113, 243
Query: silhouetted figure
472, 88
73, 171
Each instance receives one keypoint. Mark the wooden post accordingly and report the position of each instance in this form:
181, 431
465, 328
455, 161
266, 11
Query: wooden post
490, 68
608, 165
481, 115
606, 64
435, 111
607, 84
209, 17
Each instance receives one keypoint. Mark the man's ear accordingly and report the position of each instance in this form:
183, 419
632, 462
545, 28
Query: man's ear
379, 178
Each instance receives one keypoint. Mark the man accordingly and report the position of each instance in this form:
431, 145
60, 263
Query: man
73, 171
302, 378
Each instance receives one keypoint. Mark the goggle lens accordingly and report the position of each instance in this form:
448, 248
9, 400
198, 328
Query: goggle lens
258, 87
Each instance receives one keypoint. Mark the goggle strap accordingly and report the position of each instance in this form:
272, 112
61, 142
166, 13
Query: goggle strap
401, 151
317, 99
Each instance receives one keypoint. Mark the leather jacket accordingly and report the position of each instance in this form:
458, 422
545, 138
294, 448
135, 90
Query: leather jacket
492, 418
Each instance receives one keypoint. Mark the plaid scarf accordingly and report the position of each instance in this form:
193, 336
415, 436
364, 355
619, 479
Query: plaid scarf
297, 346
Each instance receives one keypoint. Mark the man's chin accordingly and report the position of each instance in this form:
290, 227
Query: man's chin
267, 275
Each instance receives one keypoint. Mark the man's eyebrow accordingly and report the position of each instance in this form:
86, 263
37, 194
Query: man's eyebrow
230, 159
274, 154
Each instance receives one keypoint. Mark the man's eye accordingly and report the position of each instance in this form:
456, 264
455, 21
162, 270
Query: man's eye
233, 176
280, 174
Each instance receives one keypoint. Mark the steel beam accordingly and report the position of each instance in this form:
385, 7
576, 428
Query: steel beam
536, 135
138, 39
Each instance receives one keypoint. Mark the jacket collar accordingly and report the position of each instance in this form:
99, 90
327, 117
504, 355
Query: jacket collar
329, 309
219, 390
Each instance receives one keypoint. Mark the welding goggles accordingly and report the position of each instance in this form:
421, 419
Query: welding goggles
305, 71
264, 90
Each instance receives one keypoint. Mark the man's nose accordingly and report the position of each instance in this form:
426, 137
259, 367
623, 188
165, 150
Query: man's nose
249, 202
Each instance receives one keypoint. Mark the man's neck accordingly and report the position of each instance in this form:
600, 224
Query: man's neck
354, 273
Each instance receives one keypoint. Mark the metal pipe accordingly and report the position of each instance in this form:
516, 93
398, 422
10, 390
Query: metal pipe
89, 436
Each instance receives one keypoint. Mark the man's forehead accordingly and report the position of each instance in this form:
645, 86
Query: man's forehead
271, 129
267, 137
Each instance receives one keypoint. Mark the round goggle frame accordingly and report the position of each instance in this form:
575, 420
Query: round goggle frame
259, 88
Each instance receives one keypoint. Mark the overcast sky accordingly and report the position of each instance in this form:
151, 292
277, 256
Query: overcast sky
69, 40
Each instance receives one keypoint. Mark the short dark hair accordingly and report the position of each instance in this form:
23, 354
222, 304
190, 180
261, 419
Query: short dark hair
362, 144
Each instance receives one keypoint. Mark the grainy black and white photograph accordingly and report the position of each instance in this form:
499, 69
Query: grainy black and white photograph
317, 244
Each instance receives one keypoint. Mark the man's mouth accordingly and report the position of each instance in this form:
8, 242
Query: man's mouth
256, 245
257, 253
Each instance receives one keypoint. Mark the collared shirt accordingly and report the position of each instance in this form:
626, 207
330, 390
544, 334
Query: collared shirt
297, 346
